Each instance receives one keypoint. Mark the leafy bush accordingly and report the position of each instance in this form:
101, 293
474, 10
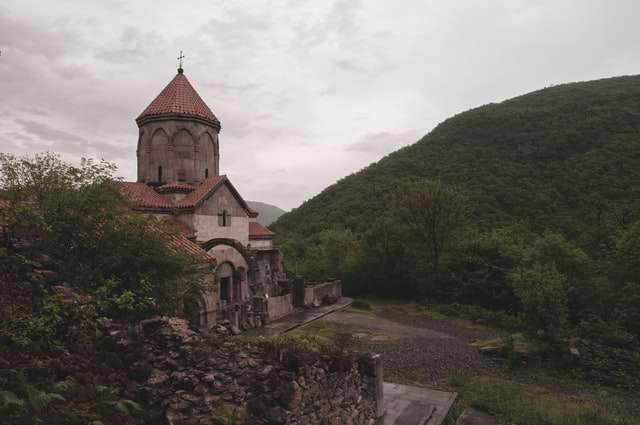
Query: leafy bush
543, 297
118, 257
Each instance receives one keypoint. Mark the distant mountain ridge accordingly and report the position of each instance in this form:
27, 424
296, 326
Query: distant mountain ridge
267, 213
559, 157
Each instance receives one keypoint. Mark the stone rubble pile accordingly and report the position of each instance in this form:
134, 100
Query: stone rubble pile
188, 377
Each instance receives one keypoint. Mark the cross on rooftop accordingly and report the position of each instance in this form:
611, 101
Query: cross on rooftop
180, 59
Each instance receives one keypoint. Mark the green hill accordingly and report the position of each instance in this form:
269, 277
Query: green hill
267, 213
565, 158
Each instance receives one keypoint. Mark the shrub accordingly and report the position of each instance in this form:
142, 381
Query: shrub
542, 294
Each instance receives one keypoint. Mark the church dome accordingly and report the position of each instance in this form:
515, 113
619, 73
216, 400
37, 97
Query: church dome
178, 100
178, 137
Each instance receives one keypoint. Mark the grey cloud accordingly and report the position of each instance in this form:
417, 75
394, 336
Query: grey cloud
383, 142
318, 89
19, 136
67, 142
340, 21
45, 132
134, 46
34, 111
349, 65
51, 41
328, 91
228, 88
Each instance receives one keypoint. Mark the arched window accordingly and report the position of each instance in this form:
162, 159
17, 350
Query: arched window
206, 173
160, 174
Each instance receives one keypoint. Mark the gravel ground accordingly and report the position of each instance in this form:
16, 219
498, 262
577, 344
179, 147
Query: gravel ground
430, 360
420, 348
427, 350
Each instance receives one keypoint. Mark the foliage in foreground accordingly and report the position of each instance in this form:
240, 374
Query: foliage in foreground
73, 219
71, 252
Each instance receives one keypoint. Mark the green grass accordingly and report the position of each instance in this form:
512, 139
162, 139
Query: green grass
519, 404
457, 317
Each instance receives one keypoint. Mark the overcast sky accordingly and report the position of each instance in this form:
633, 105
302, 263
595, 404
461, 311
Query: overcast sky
307, 91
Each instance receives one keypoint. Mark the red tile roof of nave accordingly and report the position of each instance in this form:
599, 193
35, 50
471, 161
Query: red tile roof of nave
144, 196
192, 249
180, 98
200, 191
141, 195
257, 229
175, 187
179, 242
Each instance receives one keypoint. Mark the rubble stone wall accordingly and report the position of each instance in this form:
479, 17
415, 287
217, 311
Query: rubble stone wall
186, 378
325, 392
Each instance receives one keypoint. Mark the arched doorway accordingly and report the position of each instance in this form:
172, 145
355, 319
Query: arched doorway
228, 287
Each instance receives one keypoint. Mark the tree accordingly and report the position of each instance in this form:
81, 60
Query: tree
75, 215
340, 248
436, 212
295, 251
626, 267
541, 291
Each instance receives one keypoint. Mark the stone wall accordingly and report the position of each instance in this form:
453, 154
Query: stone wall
325, 392
205, 218
261, 243
278, 307
182, 378
317, 292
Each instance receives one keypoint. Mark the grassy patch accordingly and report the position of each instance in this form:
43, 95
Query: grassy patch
468, 318
333, 331
519, 404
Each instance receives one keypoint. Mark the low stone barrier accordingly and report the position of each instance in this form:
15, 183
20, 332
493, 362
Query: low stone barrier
182, 378
278, 307
317, 292
324, 391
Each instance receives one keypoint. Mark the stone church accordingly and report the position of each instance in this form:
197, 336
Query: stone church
179, 179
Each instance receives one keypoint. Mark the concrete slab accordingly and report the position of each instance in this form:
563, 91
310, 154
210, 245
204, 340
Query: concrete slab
302, 316
407, 405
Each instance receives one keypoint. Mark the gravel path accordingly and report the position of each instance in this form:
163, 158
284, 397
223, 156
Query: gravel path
419, 348
426, 349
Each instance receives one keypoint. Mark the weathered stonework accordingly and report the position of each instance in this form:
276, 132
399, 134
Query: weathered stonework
185, 378
177, 150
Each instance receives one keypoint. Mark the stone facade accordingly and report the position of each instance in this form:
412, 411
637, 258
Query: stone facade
206, 221
171, 150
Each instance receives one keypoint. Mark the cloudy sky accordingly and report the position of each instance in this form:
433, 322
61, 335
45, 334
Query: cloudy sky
307, 91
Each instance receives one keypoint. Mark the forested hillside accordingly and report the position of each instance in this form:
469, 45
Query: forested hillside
565, 158
523, 214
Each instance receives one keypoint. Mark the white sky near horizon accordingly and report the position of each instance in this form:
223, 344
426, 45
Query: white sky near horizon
307, 91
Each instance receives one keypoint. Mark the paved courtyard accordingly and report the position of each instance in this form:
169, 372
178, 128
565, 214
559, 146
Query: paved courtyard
406, 405
303, 316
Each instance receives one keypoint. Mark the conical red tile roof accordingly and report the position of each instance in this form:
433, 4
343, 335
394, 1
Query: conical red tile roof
178, 98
